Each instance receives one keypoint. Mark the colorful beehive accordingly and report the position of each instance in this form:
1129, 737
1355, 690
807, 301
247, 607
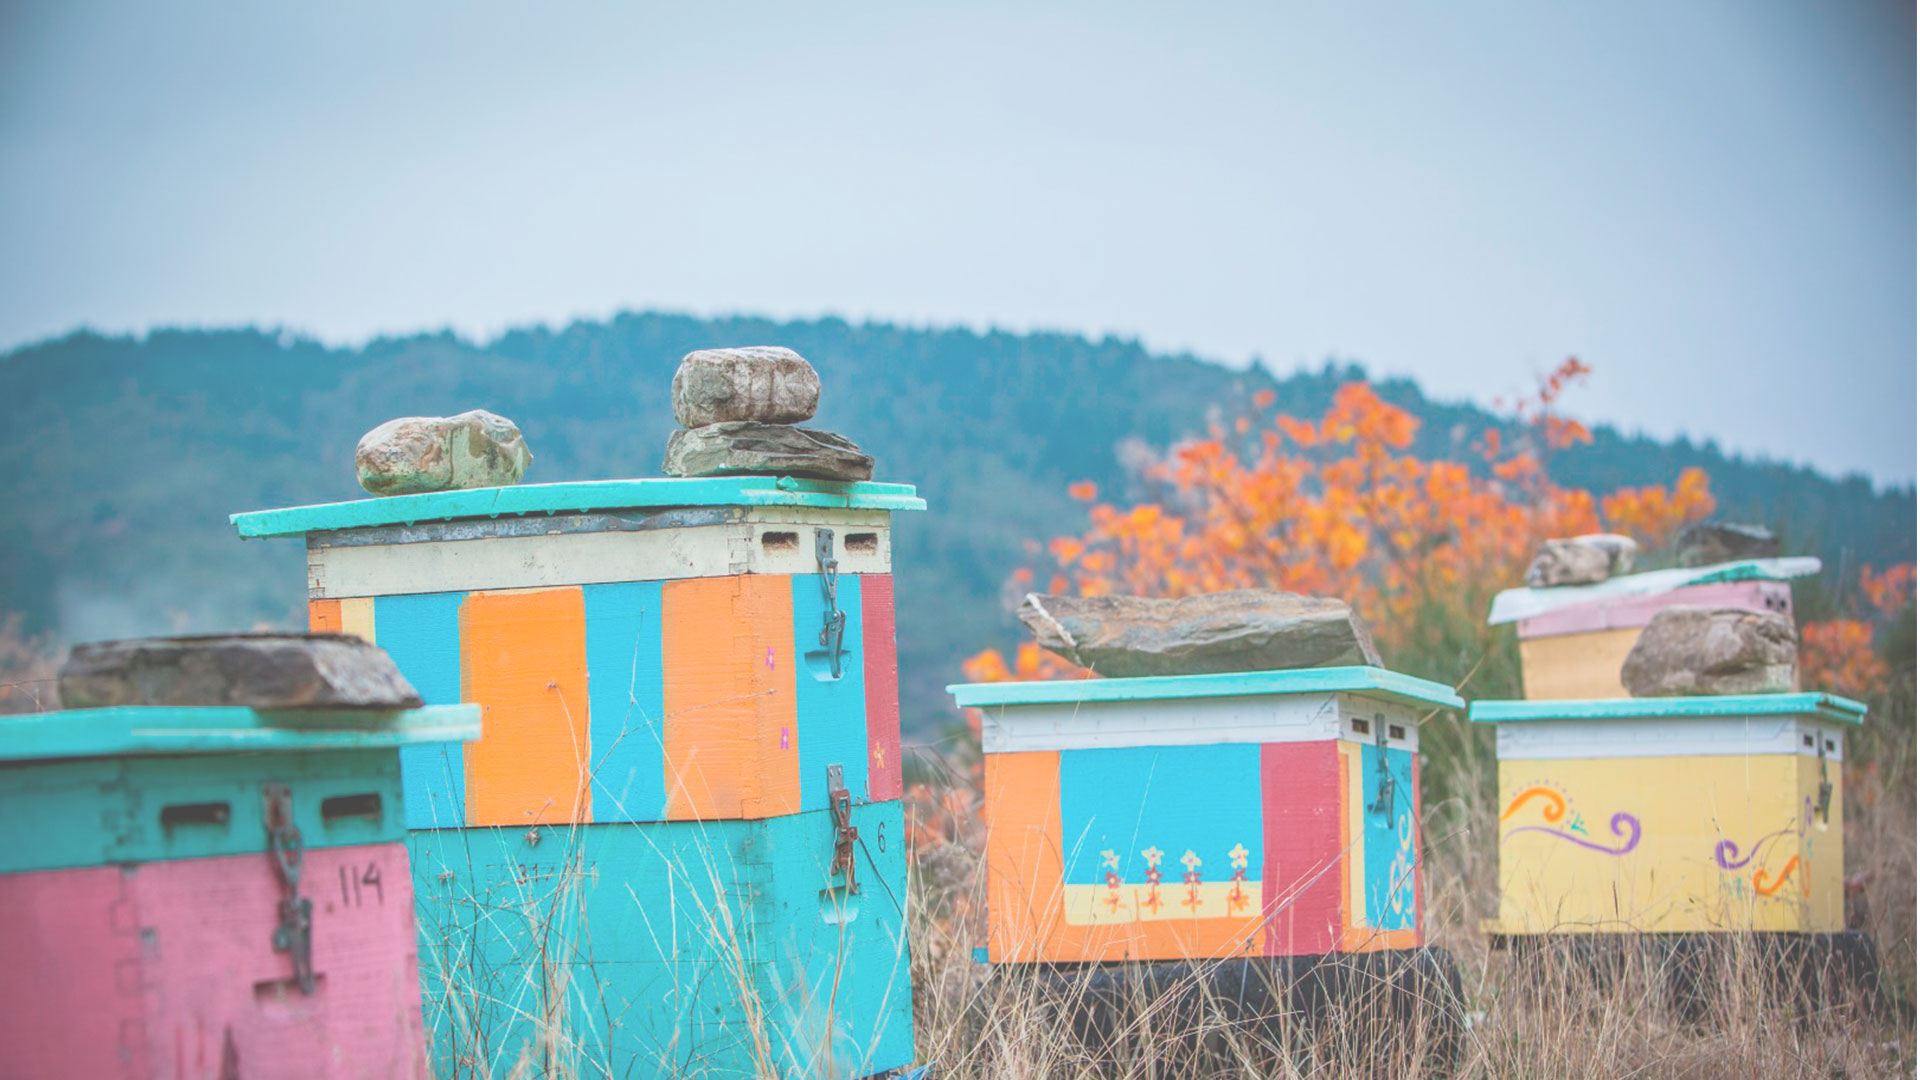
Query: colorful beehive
1272, 813
677, 848
210, 892
1671, 815
1574, 638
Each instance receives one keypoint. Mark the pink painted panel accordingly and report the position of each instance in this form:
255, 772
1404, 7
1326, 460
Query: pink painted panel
1300, 884
196, 991
1629, 611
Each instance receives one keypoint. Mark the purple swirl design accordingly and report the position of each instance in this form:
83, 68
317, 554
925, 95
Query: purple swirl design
1623, 824
1725, 851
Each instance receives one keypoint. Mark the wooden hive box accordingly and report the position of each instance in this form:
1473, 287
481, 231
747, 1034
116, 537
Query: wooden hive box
141, 898
676, 678
1271, 813
1574, 638
1671, 815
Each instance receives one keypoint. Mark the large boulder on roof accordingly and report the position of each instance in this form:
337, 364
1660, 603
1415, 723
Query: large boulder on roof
414, 454
1713, 542
765, 383
750, 448
1241, 630
261, 671
1687, 651
1582, 560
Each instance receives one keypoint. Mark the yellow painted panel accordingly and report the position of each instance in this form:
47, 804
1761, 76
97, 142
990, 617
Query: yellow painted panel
1576, 665
356, 617
1667, 845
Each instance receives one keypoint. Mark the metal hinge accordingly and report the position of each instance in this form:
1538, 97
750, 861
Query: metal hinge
835, 628
294, 934
1383, 795
1826, 786
845, 835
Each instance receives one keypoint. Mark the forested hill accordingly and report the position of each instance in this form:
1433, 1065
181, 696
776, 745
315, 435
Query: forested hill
122, 457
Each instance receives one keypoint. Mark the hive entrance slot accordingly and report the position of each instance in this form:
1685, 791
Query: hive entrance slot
366, 804
181, 815
780, 541
863, 543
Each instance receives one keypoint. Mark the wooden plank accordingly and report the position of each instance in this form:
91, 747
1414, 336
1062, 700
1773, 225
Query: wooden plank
731, 724
628, 714
523, 660
881, 662
1371, 683
1300, 887
1576, 665
831, 713
1679, 736
422, 635
222, 729
1620, 612
1024, 852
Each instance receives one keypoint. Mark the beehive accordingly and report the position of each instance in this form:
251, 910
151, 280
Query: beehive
142, 899
1671, 815
677, 677
1270, 813
1574, 638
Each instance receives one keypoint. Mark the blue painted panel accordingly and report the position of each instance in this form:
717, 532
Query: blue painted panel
662, 939
100, 811
1391, 841
422, 634
1173, 798
832, 712
626, 713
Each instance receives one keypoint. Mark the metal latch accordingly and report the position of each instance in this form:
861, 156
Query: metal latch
294, 934
1383, 775
835, 629
1826, 786
845, 835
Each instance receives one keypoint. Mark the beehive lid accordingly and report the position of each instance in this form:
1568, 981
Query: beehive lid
577, 497
1370, 682
1512, 605
217, 729
1829, 707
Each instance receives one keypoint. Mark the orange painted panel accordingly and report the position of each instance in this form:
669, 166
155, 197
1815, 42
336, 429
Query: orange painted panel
1026, 911
523, 660
732, 740
323, 616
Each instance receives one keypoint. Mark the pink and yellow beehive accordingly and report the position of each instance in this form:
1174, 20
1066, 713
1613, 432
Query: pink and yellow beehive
1249, 814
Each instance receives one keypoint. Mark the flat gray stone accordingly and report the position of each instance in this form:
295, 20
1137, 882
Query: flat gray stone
766, 383
441, 453
1690, 651
1581, 560
1241, 630
747, 448
262, 671
1713, 542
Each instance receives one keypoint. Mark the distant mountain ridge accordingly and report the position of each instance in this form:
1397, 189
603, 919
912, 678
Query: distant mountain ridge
123, 456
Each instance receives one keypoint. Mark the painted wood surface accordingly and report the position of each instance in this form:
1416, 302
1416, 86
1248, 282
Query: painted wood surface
167, 970
1302, 717
217, 729
1811, 705
1512, 605
97, 811
1369, 682
577, 497
1178, 852
1666, 845
1678, 736
1585, 665
636, 701
1621, 612
721, 949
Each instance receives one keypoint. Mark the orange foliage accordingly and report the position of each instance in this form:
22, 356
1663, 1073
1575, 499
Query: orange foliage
1837, 656
1888, 592
1655, 515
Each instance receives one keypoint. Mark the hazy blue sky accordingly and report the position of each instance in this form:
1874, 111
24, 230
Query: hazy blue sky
1712, 202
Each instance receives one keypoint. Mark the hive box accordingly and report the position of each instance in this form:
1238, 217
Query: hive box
1271, 813
1574, 638
1671, 815
674, 674
139, 899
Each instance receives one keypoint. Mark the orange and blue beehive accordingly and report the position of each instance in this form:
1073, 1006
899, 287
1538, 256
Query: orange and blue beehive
1248, 814
678, 846
210, 892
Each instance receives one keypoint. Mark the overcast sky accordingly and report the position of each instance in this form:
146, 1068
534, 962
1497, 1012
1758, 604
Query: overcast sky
1712, 203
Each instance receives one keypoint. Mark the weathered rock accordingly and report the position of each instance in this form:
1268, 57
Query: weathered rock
1243, 630
1712, 542
744, 447
1687, 651
264, 671
763, 382
441, 453
1581, 560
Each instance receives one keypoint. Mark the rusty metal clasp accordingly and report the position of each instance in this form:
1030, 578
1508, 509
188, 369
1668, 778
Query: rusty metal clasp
1826, 786
294, 934
1383, 774
835, 629
845, 834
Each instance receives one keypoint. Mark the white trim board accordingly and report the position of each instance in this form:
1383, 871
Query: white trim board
1716, 736
1199, 721
589, 558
